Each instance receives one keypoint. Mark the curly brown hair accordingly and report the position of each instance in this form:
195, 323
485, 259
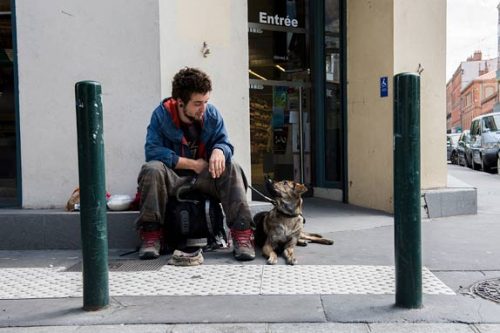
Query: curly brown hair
188, 81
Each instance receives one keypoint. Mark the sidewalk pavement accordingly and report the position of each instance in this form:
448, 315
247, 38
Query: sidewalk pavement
347, 287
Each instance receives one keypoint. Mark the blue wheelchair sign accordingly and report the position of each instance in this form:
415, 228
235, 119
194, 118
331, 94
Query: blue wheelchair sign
384, 86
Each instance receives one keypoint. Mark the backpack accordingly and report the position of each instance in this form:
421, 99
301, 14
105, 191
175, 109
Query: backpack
194, 220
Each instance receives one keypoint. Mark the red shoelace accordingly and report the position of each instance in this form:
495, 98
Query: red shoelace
149, 238
244, 238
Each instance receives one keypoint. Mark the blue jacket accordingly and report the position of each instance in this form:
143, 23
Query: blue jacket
165, 139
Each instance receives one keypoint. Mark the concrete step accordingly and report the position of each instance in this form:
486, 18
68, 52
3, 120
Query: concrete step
458, 198
56, 229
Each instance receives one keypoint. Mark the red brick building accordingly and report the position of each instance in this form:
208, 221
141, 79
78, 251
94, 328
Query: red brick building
472, 90
453, 101
478, 98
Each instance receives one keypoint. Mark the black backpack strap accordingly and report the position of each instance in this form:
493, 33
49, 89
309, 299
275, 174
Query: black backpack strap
208, 218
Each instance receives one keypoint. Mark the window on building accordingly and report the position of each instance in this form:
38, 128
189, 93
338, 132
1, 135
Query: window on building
468, 99
488, 91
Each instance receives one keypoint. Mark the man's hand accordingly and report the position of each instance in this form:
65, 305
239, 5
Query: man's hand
217, 163
199, 165
189, 164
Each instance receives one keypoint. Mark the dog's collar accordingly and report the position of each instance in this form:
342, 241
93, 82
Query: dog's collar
287, 213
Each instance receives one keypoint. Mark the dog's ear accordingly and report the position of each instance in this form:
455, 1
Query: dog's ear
270, 187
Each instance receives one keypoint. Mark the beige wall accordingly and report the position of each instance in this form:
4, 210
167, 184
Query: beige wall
384, 38
422, 40
62, 42
369, 118
133, 48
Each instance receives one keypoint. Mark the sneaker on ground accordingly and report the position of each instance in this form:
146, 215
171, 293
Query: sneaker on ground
243, 248
150, 240
181, 258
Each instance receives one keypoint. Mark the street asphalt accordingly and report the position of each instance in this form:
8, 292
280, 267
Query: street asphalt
460, 251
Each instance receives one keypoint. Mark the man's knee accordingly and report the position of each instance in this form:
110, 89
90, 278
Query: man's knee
152, 171
235, 172
153, 166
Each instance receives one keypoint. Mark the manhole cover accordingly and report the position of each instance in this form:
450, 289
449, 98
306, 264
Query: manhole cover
487, 289
126, 265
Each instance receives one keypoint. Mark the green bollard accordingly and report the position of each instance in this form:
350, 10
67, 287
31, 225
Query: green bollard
92, 195
407, 233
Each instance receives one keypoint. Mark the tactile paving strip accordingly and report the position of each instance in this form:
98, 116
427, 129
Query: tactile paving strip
125, 265
341, 279
19, 283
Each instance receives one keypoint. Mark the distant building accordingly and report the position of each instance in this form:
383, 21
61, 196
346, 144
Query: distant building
478, 97
496, 108
456, 101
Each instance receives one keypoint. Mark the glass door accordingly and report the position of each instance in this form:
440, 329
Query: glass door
279, 73
8, 167
278, 116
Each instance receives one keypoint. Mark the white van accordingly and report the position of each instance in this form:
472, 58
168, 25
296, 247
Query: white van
485, 141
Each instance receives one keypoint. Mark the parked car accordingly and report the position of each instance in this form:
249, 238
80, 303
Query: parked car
485, 141
451, 147
498, 162
463, 149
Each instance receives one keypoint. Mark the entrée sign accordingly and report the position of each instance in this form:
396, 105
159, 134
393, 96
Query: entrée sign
277, 20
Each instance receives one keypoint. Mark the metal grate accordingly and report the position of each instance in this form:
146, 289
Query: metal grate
125, 265
487, 289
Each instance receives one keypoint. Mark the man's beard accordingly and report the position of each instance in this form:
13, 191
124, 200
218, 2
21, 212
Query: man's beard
191, 118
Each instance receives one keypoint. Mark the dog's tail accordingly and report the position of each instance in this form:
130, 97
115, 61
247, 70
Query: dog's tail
259, 234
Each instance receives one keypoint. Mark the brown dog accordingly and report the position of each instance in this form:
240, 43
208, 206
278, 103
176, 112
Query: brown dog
281, 228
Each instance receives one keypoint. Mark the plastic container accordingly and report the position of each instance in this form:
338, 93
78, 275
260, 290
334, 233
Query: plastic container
119, 202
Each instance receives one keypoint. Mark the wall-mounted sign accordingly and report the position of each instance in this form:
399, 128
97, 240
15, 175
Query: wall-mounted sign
384, 86
277, 20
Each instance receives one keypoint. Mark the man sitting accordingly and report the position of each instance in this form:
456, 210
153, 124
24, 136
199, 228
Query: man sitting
187, 142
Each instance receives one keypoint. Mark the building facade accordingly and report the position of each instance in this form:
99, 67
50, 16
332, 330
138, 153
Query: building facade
496, 107
454, 101
479, 97
472, 85
305, 87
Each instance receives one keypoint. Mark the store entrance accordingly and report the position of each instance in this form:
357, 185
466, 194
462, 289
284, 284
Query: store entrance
280, 91
279, 113
8, 168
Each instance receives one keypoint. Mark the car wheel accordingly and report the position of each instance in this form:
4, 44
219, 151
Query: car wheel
498, 163
454, 158
463, 161
475, 166
468, 162
486, 167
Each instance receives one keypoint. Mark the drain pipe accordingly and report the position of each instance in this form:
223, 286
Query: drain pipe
92, 195
407, 224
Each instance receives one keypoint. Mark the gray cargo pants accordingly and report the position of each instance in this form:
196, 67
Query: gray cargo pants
157, 183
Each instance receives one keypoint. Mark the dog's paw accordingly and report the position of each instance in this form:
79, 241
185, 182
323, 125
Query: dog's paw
291, 261
301, 243
272, 261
